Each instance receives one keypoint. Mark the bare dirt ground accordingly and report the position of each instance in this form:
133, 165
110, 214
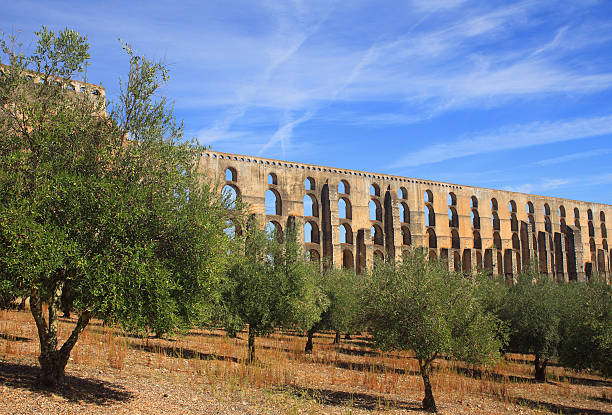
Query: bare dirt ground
204, 372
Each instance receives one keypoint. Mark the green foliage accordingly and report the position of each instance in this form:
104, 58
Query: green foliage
586, 326
250, 290
531, 309
303, 300
270, 284
7, 295
492, 291
571, 322
112, 208
419, 305
343, 288
60, 55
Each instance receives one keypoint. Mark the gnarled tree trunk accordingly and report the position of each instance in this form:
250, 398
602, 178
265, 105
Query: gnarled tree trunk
429, 403
311, 332
52, 367
540, 368
53, 360
310, 335
337, 337
251, 353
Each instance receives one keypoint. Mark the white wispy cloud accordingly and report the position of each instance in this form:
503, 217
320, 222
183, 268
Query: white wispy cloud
574, 156
297, 61
427, 72
436, 5
292, 60
290, 41
542, 186
558, 186
601, 179
353, 70
284, 132
509, 138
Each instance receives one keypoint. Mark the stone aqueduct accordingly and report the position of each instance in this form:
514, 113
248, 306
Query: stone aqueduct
349, 217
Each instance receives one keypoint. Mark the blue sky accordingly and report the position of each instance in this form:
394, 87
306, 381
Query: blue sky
499, 94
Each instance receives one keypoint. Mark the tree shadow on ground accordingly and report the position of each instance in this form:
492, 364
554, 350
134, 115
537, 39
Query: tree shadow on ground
12, 338
75, 389
357, 352
558, 408
358, 343
585, 381
343, 399
571, 379
181, 352
599, 399
290, 333
282, 349
210, 334
528, 362
365, 367
382, 368
479, 374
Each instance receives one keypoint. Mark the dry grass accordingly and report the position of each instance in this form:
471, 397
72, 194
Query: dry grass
205, 369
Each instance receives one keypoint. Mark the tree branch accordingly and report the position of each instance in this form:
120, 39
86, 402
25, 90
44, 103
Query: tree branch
54, 304
41, 324
431, 359
74, 336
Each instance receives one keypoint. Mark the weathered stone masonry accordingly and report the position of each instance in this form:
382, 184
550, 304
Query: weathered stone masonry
72, 85
349, 217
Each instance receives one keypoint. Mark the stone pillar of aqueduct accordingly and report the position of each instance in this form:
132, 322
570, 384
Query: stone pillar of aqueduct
350, 217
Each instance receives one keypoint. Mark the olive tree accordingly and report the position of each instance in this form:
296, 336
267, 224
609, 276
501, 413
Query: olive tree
417, 304
585, 329
531, 310
492, 292
270, 284
342, 287
104, 200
